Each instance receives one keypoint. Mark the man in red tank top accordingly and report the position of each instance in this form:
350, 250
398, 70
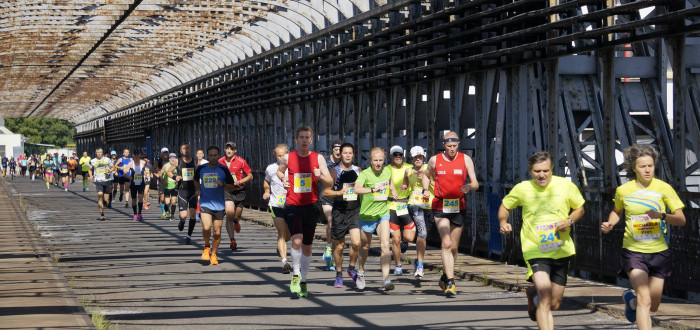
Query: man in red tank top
450, 171
241, 173
302, 207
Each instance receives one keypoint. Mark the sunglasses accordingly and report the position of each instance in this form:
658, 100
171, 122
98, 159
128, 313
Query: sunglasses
397, 154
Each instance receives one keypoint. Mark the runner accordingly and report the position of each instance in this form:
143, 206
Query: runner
32, 166
327, 203
135, 172
419, 205
346, 212
274, 190
147, 170
23, 164
56, 170
186, 200
302, 210
102, 172
48, 168
72, 165
5, 160
13, 167
399, 218
170, 186
85, 168
164, 156
450, 171
547, 246
234, 200
122, 180
115, 187
646, 259
215, 180
201, 160
65, 172
374, 185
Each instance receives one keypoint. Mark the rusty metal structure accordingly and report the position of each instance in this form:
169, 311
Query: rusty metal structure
583, 79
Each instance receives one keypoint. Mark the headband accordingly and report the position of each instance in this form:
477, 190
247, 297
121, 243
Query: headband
448, 140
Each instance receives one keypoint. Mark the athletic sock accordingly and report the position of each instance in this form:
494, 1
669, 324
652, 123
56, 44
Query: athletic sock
190, 227
134, 208
66, 185
162, 207
296, 260
140, 207
172, 208
305, 262
419, 263
47, 184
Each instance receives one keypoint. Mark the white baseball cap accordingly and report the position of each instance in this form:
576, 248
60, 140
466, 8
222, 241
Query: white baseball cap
417, 151
164, 150
395, 149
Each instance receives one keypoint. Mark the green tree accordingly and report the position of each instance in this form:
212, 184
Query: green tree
54, 131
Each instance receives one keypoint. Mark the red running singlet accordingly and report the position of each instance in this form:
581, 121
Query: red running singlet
303, 184
450, 176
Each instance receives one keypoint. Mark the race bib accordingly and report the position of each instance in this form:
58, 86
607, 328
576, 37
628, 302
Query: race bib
381, 191
100, 172
349, 195
138, 179
645, 228
209, 180
187, 174
548, 238
302, 182
147, 172
419, 200
450, 205
281, 200
64, 170
401, 209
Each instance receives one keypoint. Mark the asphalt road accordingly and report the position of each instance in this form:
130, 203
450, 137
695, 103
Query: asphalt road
142, 275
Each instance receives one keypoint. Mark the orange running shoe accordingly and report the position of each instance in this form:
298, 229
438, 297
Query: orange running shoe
237, 226
145, 207
233, 245
206, 254
213, 260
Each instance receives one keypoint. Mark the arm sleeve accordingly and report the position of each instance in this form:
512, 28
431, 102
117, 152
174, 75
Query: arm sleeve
512, 200
268, 178
227, 174
361, 178
246, 168
670, 198
575, 198
619, 200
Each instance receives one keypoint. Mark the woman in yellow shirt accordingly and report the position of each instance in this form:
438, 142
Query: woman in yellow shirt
645, 258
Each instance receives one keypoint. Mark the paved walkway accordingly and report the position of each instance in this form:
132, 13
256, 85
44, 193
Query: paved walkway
33, 292
141, 275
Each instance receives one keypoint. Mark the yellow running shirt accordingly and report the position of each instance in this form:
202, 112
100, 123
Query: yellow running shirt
643, 234
397, 176
542, 207
416, 187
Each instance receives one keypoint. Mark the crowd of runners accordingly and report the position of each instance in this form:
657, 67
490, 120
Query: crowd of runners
392, 200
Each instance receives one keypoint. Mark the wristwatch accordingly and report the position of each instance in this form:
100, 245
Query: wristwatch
571, 222
372, 190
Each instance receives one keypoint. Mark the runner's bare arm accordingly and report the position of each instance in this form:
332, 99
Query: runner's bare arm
503, 214
677, 218
328, 188
283, 168
246, 178
575, 215
473, 184
325, 175
197, 188
266, 188
613, 219
429, 172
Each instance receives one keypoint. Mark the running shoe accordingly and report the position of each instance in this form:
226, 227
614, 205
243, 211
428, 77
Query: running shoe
145, 207
419, 272
352, 273
136, 217
387, 285
237, 226
303, 292
338, 280
360, 280
327, 257
167, 215
206, 254
148, 203
213, 261
109, 205
181, 225
233, 245
102, 218
531, 293
140, 217
294, 286
451, 289
162, 215
188, 240
286, 268
443, 283
630, 313
126, 204
84, 189
398, 270
66, 189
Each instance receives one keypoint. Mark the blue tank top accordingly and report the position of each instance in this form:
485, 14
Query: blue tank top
125, 161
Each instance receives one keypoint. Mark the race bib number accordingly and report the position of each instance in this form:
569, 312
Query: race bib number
548, 238
138, 179
302, 182
100, 172
401, 209
147, 172
349, 195
187, 174
645, 228
209, 180
419, 200
64, 170
381, 191
450, 205
281, 200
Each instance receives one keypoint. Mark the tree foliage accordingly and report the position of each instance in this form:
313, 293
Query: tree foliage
54, 131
